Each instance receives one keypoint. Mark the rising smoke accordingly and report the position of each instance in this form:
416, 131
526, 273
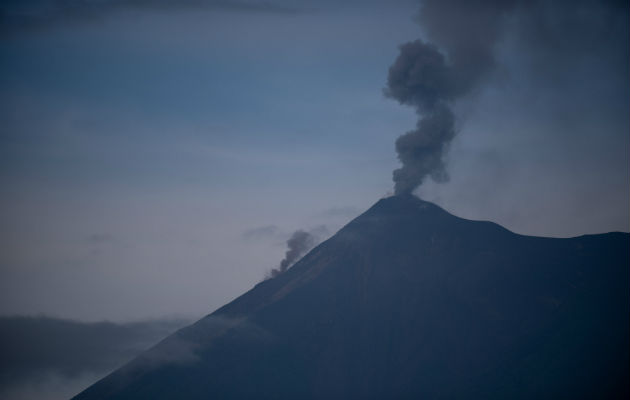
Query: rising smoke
298, 244
431, 76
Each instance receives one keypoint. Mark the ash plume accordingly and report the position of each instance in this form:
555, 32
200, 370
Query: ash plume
431, 76
298, 244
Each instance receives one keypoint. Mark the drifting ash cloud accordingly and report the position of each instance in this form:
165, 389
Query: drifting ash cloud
431, 78
459, 52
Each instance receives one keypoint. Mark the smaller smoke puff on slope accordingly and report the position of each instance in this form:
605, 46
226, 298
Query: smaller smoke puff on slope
298, 244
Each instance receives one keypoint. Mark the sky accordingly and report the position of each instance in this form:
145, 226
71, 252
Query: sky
156, 156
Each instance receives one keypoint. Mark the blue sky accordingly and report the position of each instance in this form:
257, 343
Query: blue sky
141, 145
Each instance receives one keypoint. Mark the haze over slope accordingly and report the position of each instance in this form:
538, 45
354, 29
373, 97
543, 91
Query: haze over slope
408, 301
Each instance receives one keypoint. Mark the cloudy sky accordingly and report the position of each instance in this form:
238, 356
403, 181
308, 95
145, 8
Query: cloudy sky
155, 156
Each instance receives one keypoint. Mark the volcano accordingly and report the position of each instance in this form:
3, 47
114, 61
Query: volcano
410, 302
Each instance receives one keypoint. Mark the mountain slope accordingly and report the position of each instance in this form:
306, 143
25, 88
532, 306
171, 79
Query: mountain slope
408, 301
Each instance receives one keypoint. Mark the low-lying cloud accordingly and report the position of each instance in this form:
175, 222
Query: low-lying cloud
42, 354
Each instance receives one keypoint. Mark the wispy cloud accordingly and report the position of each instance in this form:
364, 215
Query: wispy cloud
262, 232
29, 15
99, 238
44, 354
342, 212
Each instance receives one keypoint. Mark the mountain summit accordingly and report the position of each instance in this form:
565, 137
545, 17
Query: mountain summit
408, 301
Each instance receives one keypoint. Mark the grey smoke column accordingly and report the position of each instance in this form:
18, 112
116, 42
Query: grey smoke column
430, 81
298, 244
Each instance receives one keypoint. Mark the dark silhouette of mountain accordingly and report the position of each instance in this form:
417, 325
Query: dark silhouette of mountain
410, 302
